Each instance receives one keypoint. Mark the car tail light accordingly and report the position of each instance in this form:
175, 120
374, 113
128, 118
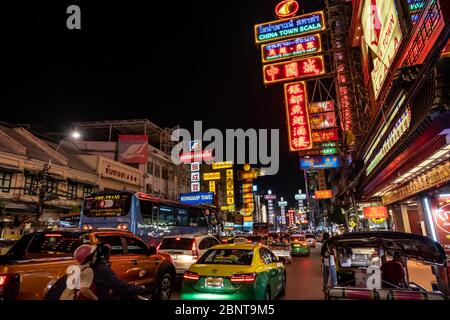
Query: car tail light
244, 277
191, 275
123, 226
194, 250
87, 227
3, 280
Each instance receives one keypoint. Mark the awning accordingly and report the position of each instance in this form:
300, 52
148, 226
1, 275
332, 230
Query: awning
10, 169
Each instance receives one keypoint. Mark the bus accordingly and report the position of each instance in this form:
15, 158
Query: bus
148, 217
260, 228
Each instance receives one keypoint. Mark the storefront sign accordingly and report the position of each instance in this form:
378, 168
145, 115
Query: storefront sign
375, 212
325, 162
211, 176
397, 132
291, 217
222, 165
270, 196
293, 70
299, 131
116, 172
195, 166
282, 203
383, 35
325, 135
212, 186
441, 217
195, 186
291, 48
197, 198
188, 157
300, 196
286, 8
323, 194
435, 176
227, 208
195, 176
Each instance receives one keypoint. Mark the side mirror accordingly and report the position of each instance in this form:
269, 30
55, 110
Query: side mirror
151, 251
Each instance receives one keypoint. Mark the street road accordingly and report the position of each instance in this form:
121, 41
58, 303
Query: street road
304, 279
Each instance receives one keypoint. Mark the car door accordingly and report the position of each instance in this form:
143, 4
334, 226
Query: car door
279, 266
271, 271
141, 268
119, 261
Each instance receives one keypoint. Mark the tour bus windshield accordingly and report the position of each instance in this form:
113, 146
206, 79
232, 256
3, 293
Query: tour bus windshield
107, 205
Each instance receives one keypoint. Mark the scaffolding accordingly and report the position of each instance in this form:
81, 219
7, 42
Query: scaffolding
111, 129
346, 61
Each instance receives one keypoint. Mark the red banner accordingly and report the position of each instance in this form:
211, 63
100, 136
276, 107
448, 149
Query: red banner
133, 148
299, 130
375, 212
294, 69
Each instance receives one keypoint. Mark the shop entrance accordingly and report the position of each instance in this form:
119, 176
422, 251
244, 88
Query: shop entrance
414, 222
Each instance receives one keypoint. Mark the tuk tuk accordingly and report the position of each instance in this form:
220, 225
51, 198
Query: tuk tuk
384, 265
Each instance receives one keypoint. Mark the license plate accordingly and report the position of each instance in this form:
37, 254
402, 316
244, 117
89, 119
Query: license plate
214, 282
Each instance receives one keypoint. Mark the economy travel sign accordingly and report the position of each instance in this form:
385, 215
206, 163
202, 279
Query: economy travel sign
291, 48
300, 25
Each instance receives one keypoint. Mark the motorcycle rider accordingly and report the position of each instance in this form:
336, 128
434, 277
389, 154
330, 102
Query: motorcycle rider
107, 283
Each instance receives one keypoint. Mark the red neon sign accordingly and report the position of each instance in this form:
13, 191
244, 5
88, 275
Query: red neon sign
188, 157
299, 130
291, 48
295, 69
375, 212
287, 8
325, 135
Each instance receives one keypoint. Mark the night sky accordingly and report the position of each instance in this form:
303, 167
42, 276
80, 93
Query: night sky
172, 62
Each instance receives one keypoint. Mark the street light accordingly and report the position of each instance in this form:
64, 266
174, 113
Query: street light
75, 135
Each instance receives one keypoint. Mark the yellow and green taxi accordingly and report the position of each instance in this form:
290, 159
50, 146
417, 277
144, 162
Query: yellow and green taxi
235, 272
299, 245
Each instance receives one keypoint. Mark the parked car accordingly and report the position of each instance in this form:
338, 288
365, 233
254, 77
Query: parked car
35, 267
186, 249
235, 272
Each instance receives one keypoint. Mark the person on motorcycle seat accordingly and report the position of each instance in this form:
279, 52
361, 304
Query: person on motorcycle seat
107, 283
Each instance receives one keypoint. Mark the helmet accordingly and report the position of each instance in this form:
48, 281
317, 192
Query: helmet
84, 252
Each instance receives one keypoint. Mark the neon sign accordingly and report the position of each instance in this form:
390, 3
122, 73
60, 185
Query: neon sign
299, 130
324, 162
295, 69
325, 135
279, 29
291, 48
287, 8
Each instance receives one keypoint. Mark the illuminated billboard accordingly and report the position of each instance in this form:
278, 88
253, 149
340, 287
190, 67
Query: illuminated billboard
296, 26
291, 48
294, 69
325, 162
323, 194
383, 34
299, 131
322, 106
325, 135
375, 212
133, 148
323, 120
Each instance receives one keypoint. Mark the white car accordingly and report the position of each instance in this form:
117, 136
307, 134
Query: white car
311, 240
186, 249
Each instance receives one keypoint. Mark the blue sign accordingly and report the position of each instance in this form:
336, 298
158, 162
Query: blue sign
197, 198
325, 162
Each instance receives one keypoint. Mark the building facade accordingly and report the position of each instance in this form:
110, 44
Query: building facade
403, 162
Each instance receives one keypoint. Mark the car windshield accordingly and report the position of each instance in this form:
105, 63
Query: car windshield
176, 243
49, 244
227, 256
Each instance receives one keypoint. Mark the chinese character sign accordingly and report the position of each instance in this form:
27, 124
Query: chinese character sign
294, 69
297, 115
325, 135
291, 48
